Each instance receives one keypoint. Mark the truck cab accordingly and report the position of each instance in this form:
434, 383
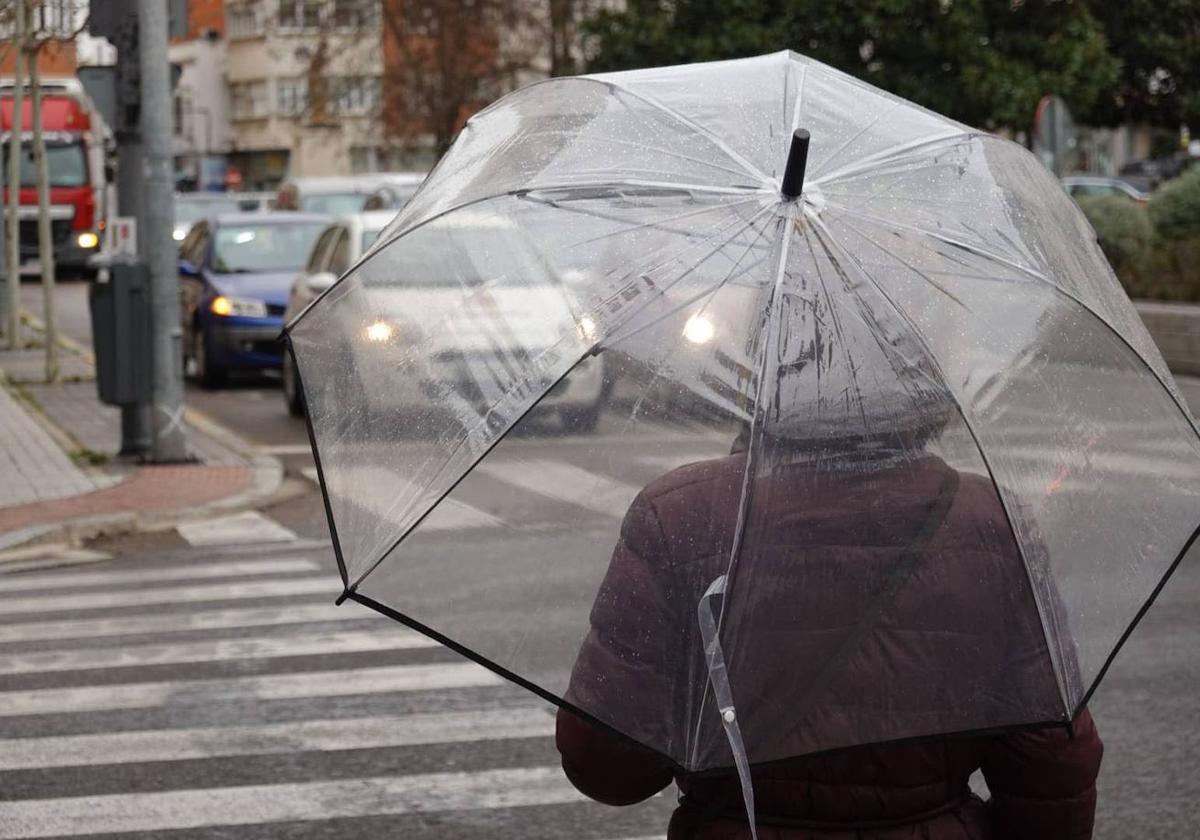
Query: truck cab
75, 152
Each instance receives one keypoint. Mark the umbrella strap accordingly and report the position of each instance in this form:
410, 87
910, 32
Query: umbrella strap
718, 676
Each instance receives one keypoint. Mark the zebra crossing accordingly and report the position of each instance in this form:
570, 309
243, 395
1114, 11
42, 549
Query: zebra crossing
199, 694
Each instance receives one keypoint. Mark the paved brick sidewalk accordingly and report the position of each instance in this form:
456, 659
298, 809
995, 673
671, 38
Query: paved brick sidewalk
34, 468
42, 425
148, 490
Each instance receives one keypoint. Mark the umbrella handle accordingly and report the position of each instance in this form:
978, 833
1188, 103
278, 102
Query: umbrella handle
714, 660
797, 160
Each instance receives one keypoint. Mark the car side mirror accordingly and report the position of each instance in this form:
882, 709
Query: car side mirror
320, 281
187, 269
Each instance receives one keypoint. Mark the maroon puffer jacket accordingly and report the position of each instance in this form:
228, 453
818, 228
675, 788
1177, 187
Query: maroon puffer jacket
1042, 783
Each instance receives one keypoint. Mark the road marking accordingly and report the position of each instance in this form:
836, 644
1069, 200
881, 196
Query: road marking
132, 656
506, 787
285, 449
182, 571
246, 527
565, 482
449, 515
181, 622
302, 736
274, 687
322, 584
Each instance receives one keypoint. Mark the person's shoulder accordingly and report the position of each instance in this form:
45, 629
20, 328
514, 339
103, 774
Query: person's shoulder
690, 479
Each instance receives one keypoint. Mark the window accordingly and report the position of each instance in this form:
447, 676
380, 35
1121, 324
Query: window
353, 95
355, 14
248, 99
316, 257
339, 260
292, 95
300, 14
65, 162
242, 21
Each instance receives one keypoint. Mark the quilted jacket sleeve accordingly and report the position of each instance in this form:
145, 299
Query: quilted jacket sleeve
623, 673
1043, 783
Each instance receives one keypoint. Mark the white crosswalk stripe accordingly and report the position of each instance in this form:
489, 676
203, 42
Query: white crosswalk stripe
315, 585
244, 618
354, 733
565, 482
220, 651
217, 662
183, 571
235, 529
504, 788
275, 687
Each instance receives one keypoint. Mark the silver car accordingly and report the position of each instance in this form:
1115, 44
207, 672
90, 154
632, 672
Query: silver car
339, 246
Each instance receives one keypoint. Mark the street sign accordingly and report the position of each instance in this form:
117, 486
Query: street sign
122, 238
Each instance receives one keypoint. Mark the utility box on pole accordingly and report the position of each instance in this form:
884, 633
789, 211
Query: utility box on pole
122, 335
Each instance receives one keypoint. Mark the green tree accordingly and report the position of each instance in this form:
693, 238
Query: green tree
1158, 44
984, 62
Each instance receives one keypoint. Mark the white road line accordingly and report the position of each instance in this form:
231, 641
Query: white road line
273, 739
565, 482
246, 527
450, 514
321, 584
285, 449
273, 687
507, 787
131, 656
180, 622
182, 571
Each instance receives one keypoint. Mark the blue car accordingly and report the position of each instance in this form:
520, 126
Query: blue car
235, 273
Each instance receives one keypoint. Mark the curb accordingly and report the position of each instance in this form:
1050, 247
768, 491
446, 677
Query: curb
266, 481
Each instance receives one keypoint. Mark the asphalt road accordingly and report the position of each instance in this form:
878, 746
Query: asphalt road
213, 718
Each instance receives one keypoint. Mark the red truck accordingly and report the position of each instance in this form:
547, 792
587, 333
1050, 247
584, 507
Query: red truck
76, 150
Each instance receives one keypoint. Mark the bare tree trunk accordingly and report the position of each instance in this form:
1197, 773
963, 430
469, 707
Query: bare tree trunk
45, 238
14, 185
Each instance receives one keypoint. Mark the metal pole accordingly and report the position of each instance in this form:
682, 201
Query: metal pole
158, 201
45, 239
13, 327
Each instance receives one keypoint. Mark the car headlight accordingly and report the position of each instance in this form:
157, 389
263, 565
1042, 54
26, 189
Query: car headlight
238, 307
87, 239
379, 331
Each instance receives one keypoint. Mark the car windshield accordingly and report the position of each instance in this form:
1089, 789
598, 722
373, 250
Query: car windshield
250, 248
333, 204
65, 162
191, 209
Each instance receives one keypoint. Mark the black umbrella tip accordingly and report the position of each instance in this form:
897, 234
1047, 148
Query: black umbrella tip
793, 173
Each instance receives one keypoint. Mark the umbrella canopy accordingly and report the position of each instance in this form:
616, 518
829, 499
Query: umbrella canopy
740, 473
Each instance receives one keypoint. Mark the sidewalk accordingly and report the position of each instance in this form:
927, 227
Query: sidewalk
60, 478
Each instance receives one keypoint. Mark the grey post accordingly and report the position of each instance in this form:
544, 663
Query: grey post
158, 200
135, 418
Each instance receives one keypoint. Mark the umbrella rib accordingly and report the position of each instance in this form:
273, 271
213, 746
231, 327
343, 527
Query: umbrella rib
749, 223
659, 223
710, 294
755, 437
692, 124
462, 442
829, 157
970, 426
1036, 275
673, 153
897, 154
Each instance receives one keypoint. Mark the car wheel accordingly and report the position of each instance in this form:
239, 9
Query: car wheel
208, 373
292, 395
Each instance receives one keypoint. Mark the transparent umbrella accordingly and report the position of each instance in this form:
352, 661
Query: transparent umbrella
745, 464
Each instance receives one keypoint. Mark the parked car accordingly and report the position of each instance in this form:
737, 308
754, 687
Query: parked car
338, 195
339, 246
197, 205
235, 271
1081, 185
